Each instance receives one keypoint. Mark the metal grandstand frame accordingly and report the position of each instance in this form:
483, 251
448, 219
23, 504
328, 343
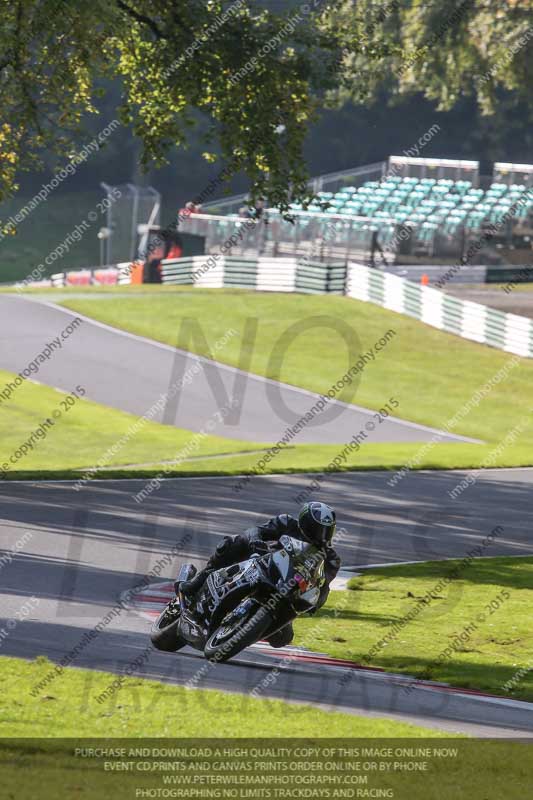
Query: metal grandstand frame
334, 238
330, 182
340, 237
438, 168
513, 173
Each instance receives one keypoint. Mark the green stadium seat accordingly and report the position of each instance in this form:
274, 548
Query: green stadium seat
426, 205
475, 193
505, 205
497, 213
391, 204
436, 218
451, 226
461, 187
352, 208
426, 233
474, 220
401, 216
459, 213
523, 210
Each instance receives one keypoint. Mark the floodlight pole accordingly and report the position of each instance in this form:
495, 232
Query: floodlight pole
107, 189
135, 191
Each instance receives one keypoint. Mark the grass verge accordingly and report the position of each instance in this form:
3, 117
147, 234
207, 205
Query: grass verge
300, 340
449, 369
84, 433
87, 433
483, 614
44, 768
146, 708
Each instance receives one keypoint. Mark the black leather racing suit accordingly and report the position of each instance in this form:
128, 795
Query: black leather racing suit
257, 540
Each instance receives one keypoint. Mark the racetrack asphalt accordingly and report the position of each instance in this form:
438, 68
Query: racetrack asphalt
130, 373
83, 549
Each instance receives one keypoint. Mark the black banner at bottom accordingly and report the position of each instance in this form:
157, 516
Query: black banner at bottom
296, 769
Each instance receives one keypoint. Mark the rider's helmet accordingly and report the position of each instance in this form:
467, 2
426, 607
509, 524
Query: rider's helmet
317, 523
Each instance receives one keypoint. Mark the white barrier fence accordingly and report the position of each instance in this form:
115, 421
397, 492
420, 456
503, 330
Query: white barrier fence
473, 321
264, 274
464, 318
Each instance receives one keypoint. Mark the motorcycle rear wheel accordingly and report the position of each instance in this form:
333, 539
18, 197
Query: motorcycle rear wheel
228, 640
164, 633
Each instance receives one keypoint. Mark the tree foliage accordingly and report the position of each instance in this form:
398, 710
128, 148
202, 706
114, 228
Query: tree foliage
257, 77
446, 50
174, 57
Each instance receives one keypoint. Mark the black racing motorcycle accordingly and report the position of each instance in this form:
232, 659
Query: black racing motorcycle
241, 604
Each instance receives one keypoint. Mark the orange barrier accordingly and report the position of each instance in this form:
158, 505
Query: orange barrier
137, 272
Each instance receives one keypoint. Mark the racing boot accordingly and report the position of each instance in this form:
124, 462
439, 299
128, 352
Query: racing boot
283, 637
189, 588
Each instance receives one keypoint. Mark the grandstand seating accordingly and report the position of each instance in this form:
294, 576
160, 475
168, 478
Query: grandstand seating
426, 204
415, 216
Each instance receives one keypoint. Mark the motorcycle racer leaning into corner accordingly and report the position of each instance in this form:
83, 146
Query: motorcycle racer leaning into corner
315, 524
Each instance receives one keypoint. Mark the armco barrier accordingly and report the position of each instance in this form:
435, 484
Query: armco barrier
473, 321
264, 274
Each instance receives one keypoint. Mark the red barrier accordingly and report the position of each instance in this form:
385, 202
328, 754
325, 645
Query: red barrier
78, 278
105, 277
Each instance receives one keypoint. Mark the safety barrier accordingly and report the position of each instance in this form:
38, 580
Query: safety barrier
464, 318
265, 274
104, 276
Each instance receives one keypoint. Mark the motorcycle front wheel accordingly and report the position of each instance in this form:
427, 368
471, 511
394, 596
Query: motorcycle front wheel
238, 632
164, 633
